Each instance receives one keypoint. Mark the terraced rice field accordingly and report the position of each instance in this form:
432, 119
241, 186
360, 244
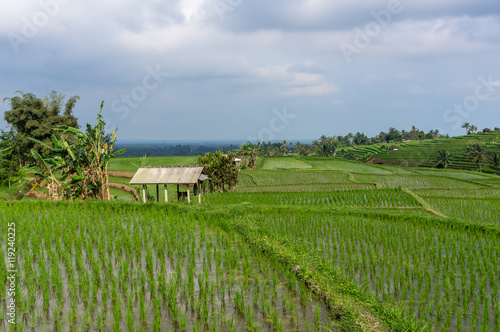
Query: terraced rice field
339, 246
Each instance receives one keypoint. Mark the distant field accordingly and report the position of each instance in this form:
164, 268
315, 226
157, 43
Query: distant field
337, 164
126, 164
284, 162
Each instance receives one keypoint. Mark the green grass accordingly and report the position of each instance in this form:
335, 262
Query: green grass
284, 163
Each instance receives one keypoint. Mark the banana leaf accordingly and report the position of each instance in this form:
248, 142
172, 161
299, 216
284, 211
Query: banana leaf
37, 156
119, 152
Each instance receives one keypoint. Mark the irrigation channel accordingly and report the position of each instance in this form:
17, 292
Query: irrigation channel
110, 267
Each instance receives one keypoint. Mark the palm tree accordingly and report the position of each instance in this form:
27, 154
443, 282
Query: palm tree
473, 128
495, 160
478, 152
283, 146
466, 125
443, 159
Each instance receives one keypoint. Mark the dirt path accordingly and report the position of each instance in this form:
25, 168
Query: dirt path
118, 174
125, 188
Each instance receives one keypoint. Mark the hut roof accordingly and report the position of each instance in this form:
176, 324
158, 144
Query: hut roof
376, 160
169, 175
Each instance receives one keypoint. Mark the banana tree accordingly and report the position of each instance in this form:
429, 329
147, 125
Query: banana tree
76, 165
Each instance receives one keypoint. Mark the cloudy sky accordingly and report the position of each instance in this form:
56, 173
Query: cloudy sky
241, 69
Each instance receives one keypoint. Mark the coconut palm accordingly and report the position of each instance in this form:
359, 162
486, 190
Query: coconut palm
284, 147
479, 154
495, 161
442, 159
466, 125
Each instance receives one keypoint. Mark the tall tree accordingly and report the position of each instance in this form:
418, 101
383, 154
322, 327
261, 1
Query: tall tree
76, 167
34, 117
466, 125
284, 147
495, 161
442, 159
221, 169
479, 154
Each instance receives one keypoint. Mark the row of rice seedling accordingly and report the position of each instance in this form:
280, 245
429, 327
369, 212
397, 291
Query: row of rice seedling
453, 174
269, 177
345, 166
461, 193
416, 181
361, 198
307, 187
479, 210
448, 278
108, 267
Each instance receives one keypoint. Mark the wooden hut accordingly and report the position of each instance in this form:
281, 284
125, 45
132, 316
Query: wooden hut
375, 160
189, 177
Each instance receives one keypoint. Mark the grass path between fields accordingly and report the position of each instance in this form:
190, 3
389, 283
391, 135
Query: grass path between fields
425, 205
355, 308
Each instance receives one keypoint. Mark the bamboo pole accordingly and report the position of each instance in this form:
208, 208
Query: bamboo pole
189, 196
158, 193
166, 194
144, 193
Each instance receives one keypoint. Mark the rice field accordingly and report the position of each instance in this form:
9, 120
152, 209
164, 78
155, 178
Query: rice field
339, 246
274, 177
418, 181
389, 198
285, 163
346, 166
481, 210
117, 268
448, 278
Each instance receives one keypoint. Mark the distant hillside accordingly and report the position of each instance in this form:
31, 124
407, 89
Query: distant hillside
421, 153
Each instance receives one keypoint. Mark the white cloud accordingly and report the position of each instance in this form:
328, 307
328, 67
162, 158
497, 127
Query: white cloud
296, 82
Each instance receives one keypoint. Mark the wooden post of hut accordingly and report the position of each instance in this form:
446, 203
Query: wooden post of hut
144, 193
166, 194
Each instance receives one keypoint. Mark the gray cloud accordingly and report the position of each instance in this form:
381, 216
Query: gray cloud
230, 71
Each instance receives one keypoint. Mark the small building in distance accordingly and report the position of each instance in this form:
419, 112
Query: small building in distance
486, 130
189, 177
394, 148
375, 160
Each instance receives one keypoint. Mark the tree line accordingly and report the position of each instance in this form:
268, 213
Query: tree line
330, 145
